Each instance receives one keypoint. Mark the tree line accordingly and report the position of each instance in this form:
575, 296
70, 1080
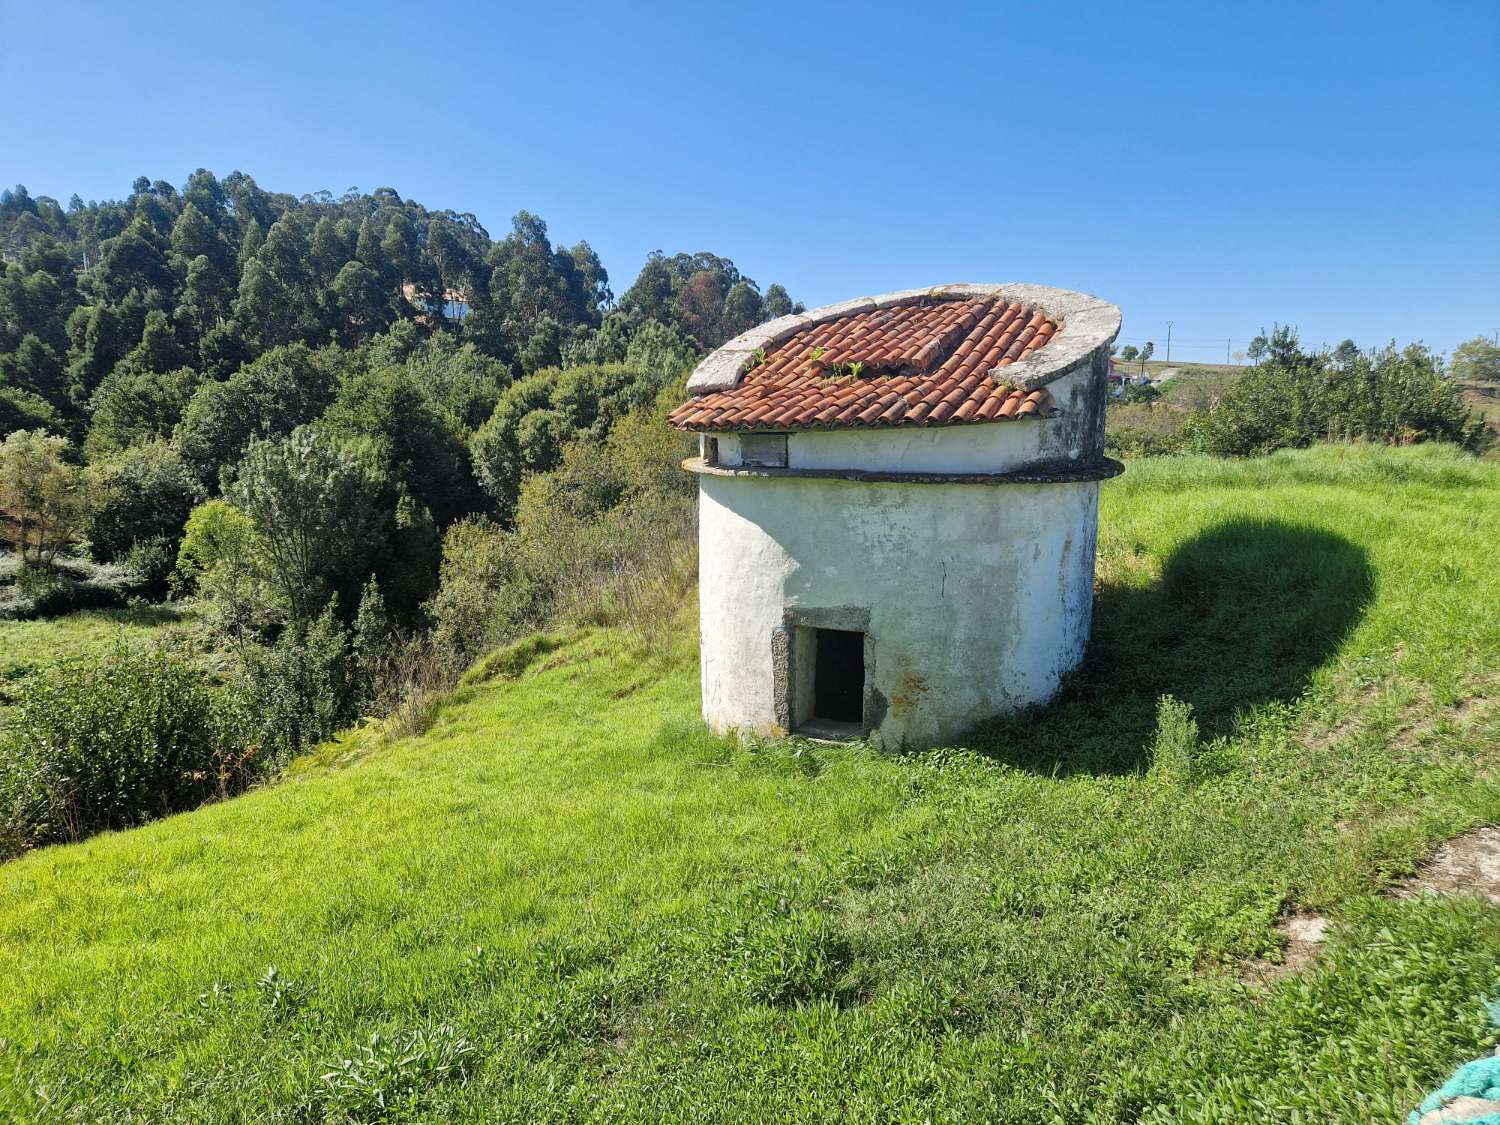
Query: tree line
1294, 397
210, 276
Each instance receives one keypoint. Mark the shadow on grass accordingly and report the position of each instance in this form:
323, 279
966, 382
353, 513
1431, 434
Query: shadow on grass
1244, 613
145, 613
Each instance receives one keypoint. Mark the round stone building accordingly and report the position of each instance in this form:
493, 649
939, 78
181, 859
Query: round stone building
898, 507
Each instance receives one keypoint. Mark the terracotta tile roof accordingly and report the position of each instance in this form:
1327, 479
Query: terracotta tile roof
923, 363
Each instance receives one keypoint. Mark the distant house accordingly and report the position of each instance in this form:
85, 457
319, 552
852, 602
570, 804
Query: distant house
455, 304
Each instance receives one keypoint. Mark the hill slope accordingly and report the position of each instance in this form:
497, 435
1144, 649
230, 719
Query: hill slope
567, 901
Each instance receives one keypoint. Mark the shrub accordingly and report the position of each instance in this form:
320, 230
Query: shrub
1175, 748
152, 561
465, 380
539, 415
312, 504
481, 600
606, 538
22, 410
1296, 399
215, 540
303, 687
411, 435
137, 407
272, 396
43, 498
70, 584
1143, 429
144, 494
138, 735
49, 592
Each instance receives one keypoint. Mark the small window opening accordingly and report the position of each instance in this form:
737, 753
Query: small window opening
710, 450
839, 676
767, 451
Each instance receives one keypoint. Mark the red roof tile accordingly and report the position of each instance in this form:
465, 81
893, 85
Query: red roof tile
923, 363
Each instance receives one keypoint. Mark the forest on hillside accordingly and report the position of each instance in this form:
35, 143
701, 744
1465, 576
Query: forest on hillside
148, 345
208, 277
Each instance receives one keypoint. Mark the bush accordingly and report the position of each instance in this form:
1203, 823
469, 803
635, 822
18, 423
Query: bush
605, 538
152, 561
69, 584
137, 407
1143, 429
1295, 400
481, 599
138, 735
22, 410
411, 435
313, 506
144, 494
284, 388
302, 688
44, 498
48, 592
216, 542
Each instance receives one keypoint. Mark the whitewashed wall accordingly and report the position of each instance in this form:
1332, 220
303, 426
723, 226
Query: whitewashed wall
979, 596
989, 447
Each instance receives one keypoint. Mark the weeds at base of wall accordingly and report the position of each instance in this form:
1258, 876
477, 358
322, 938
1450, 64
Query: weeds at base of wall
1175, 749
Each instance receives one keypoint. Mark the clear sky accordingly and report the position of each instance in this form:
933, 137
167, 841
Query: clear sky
1221, 165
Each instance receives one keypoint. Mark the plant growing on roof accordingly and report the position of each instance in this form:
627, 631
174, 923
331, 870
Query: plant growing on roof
757, 357
856, 368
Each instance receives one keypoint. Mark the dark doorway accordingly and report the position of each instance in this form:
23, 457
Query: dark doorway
839, 676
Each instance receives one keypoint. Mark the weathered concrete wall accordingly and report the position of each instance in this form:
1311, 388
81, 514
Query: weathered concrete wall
979, 597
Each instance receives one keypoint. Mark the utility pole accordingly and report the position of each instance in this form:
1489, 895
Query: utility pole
1226, 352
1169, 341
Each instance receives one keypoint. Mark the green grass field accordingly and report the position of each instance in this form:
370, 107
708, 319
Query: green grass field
26, 646
567, 901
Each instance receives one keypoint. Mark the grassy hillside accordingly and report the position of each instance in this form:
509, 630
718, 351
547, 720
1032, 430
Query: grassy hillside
566, 901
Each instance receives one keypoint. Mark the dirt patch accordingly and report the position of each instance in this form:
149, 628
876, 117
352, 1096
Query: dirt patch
1467, 864
1302, 938
1472, 710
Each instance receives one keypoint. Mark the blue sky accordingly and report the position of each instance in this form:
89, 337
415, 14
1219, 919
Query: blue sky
1224, 166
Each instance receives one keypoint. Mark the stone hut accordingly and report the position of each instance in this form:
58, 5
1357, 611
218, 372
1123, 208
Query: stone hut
898, 506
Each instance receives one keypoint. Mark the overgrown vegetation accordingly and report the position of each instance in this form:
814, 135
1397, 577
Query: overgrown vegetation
565, 901
29, 646
266, 355
316, 569
114, 742
1295, 399
282, 407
